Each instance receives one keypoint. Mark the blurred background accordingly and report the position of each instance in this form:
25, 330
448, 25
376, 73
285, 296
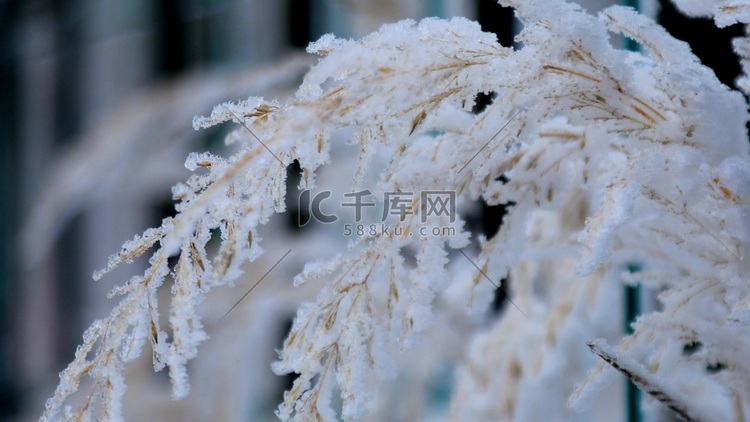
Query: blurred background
96, 102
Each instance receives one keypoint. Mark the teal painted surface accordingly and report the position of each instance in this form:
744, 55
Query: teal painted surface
632, 293
630, 44
632, 310
434, 8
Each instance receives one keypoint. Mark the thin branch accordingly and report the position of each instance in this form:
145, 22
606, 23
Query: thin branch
254, 285
499, 286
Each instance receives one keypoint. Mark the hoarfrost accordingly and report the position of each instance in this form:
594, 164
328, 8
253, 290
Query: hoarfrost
603, 156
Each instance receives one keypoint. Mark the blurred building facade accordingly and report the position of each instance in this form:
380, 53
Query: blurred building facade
69, 64
65, 66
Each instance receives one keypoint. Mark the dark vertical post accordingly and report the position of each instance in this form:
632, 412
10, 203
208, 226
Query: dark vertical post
298, 22
9, 171
632, 293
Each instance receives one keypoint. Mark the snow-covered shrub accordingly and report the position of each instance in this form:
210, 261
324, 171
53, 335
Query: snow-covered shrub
608, 158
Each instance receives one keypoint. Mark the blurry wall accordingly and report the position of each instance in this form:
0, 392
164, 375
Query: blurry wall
66, 65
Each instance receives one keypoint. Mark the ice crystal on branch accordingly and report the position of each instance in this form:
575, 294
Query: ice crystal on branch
607, 156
